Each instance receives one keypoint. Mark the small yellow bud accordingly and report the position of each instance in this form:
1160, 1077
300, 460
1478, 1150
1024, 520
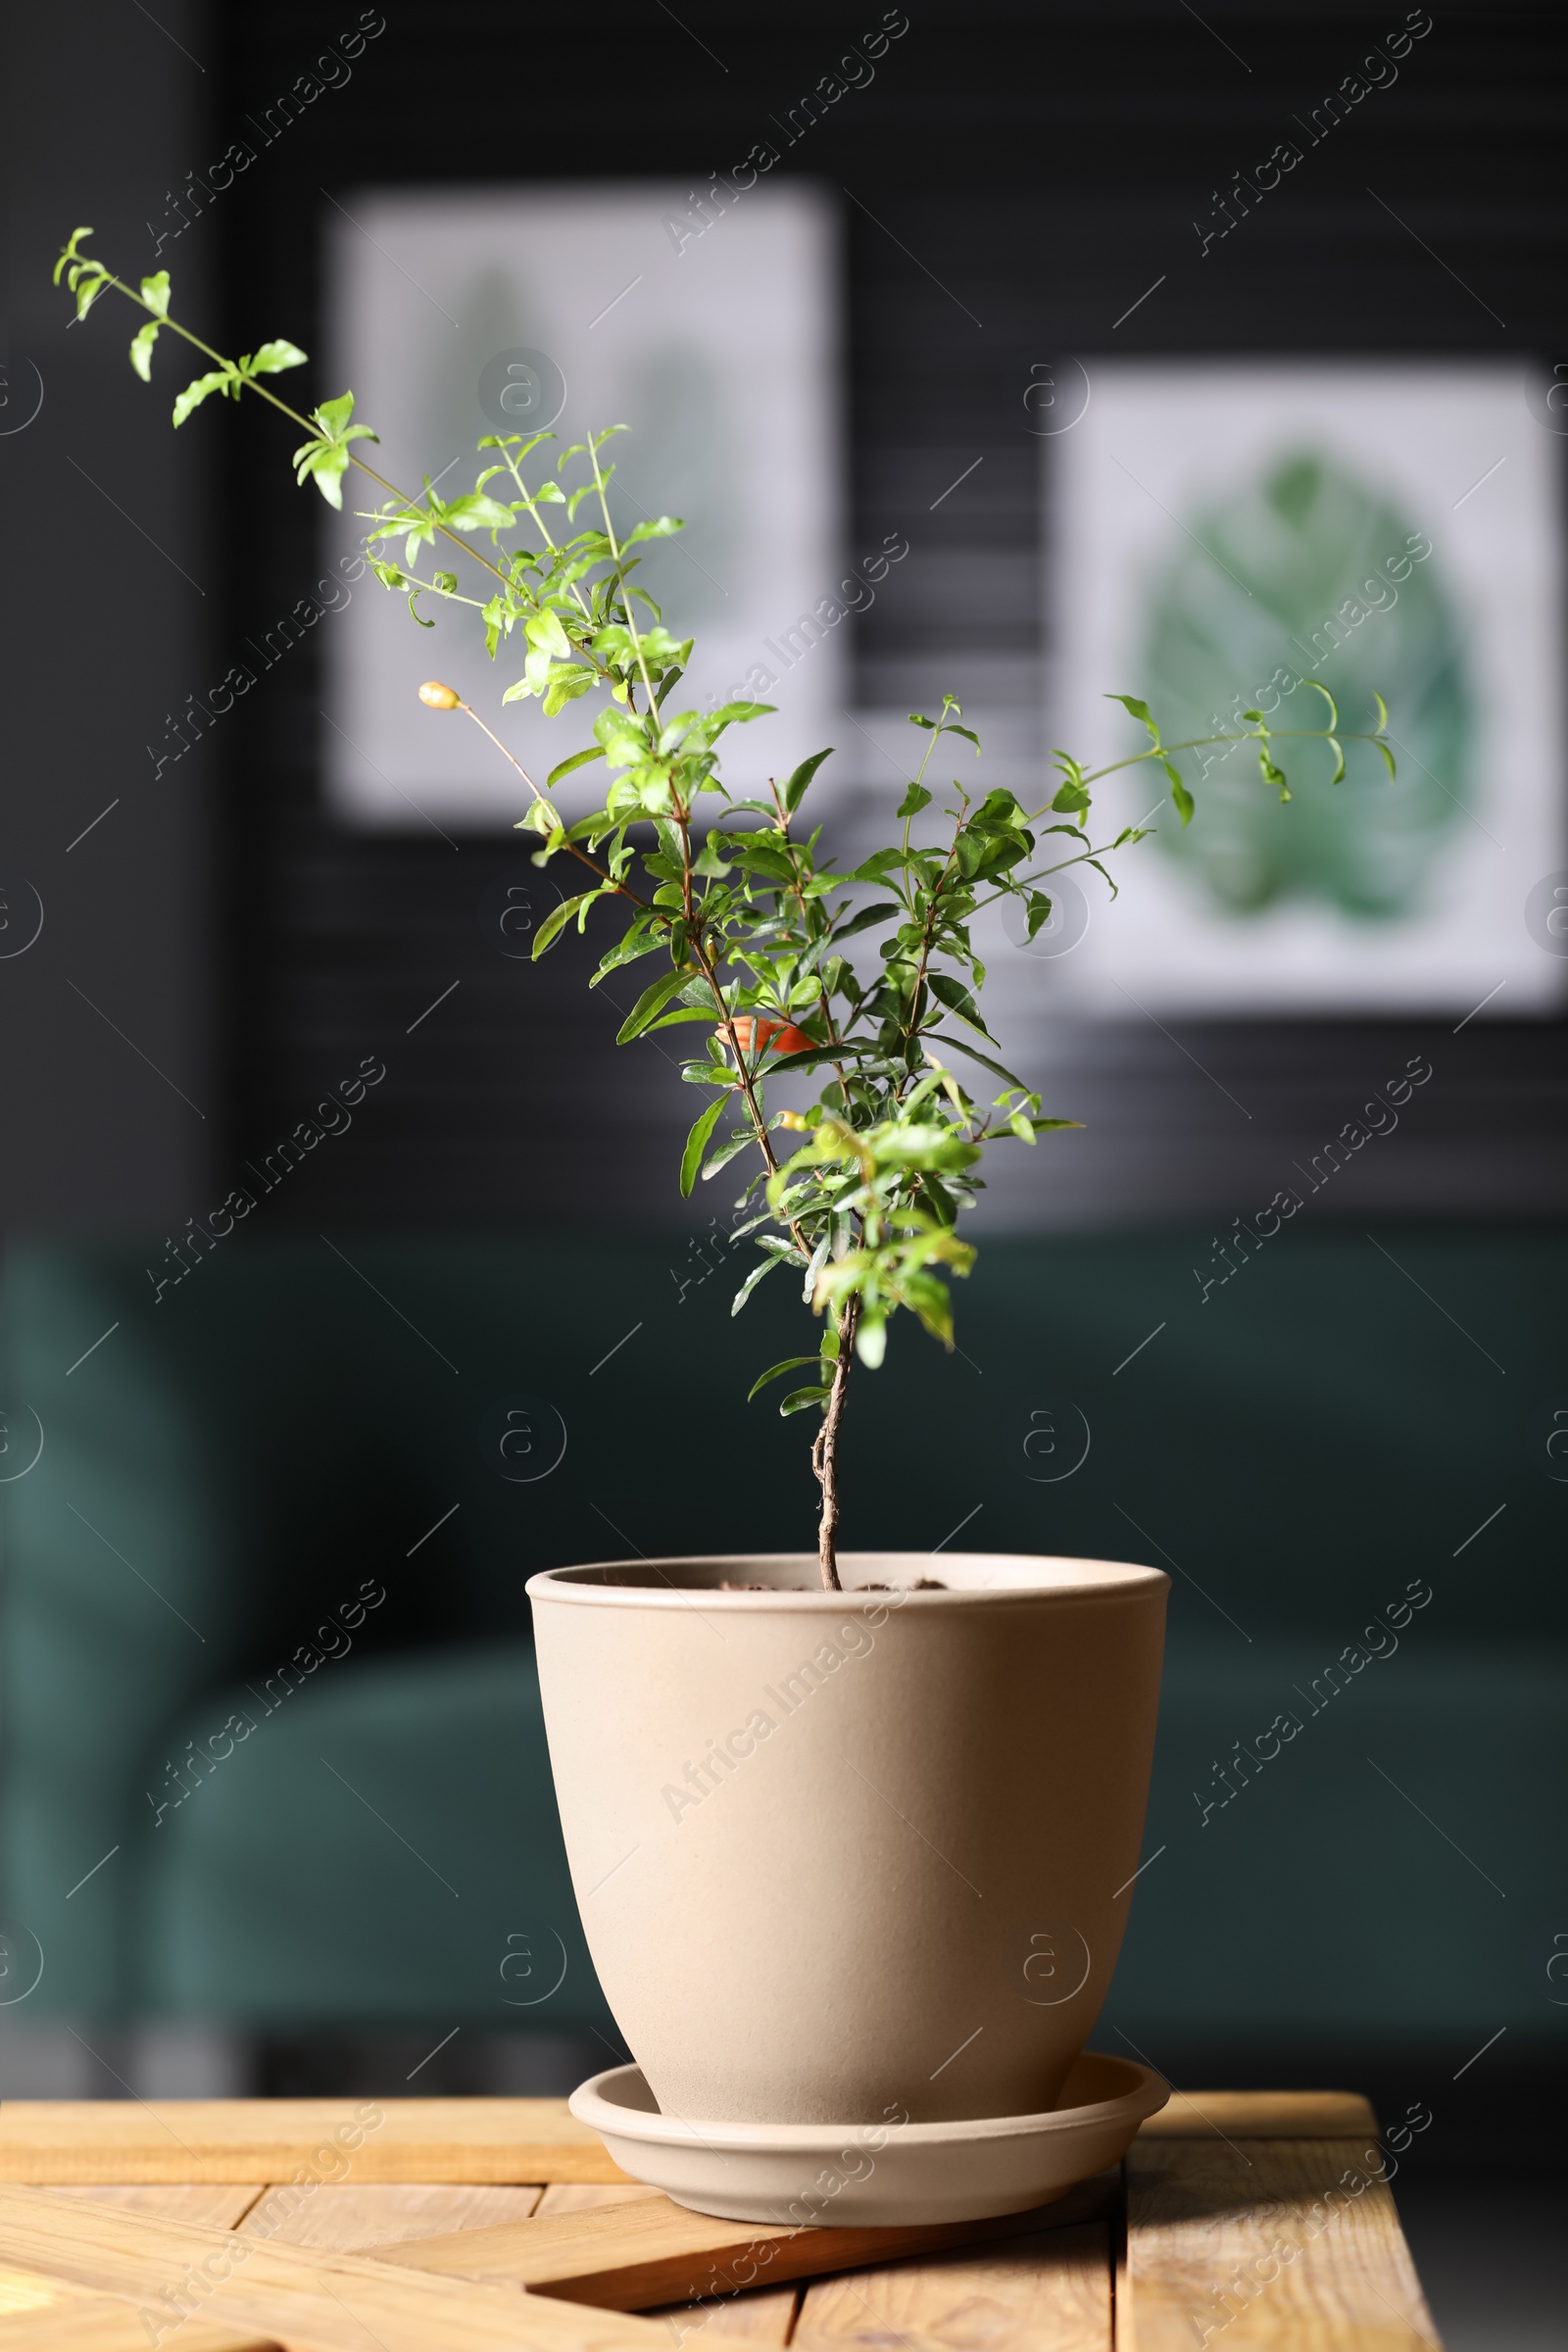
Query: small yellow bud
438, 697
794, 1121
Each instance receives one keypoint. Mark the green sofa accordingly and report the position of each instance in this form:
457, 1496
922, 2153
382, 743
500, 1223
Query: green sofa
235, 1474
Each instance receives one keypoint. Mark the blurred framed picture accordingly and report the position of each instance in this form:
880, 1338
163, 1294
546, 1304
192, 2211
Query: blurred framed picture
1223, 536
708, 324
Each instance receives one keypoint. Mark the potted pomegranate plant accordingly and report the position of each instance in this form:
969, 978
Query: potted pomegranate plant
852, 1843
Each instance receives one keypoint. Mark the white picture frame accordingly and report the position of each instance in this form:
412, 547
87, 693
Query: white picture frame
711, 328
1449, 448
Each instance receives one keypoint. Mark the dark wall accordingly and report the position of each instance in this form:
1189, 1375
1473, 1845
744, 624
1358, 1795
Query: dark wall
109, 1055
1016, 177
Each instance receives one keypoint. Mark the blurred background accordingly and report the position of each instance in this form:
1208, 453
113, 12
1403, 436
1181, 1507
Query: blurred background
1021, 353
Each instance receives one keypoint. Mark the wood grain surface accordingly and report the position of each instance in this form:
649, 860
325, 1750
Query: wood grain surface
648, 2252
305, 2299
1048, 2292
50, 2142
1290, 2244
1253, 2222
349, 2217
223, 2206
1261, 2115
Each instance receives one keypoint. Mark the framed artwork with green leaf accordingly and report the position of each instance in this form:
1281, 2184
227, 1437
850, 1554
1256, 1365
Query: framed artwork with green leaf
1250, 535
709, 320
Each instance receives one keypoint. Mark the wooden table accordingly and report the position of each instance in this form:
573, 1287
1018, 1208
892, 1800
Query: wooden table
1239, 2220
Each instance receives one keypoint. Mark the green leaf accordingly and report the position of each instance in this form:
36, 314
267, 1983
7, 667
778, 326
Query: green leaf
324, 461
155, 292
567, 683
544, 630
474, 513
1383, 711
1179, 793
1338, 776
1318, 687
1139, 709
556, 920
1388, 756
69, 253
866, 917
333, 414
662, 530
871, 1341
273, 358
964, 1046
653, 1000
141, 350
726, 1152
691, 1159
957, 997
914, 801
577, 759
201, 388
799, 1399
751, 1280
791, 1363
673, 1020
738, 713
795, 789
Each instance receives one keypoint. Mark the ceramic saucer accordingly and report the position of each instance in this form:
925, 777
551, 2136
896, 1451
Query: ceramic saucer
835, 2174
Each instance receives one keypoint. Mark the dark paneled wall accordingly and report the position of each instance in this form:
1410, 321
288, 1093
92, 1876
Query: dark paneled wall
1015, 176
109, 1047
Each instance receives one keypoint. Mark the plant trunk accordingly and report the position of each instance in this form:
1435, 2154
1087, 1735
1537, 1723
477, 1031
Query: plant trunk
825, 1455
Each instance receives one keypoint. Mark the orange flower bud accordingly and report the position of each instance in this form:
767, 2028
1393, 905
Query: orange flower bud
438, 697
776, 1037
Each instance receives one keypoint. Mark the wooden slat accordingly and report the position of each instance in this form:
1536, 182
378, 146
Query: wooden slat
26, 2290
583, 2196
346, 2217
98, 2324
54, 2142
1246, 2247
639, 2255
220, 2207
1047, 2292
763, 2317
304, 2300
1261, 2115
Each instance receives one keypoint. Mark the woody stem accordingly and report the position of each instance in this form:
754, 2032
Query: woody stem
825, 1452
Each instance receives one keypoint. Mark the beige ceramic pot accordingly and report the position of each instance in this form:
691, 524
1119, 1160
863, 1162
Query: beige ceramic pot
852, 1857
